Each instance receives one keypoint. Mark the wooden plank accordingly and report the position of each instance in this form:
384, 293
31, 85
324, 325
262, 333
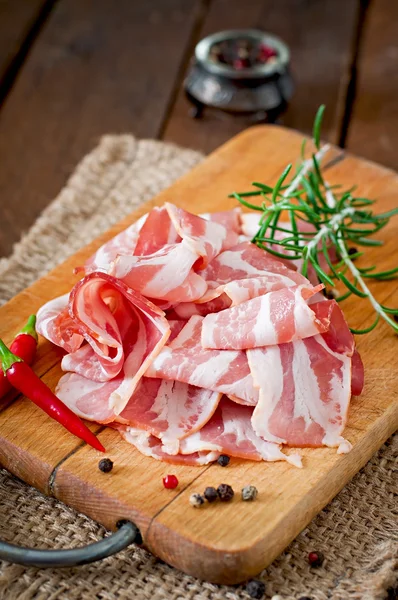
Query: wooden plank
373, 128
227, 543
95, 69
320, 42
16, 19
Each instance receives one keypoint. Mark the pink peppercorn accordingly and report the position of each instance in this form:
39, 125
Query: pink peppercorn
170, 482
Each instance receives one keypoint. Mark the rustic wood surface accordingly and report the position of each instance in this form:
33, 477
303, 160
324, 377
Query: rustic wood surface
72, 70
227, 543
373, 131
321, 46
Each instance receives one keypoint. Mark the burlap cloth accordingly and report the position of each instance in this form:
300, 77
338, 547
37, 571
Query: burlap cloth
357, 532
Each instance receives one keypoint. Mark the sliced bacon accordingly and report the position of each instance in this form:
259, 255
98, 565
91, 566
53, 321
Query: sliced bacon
123, 344
207, 238
231, 220
275, 318
169, 272
56, 325
157, 231
305, 386
151, 446
246, 271
358, 374
305, 389
185, 360
170, 410
166, 275
230, 431
185, 310
123, 243
250, 223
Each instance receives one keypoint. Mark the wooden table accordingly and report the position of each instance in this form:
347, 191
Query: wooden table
71, 70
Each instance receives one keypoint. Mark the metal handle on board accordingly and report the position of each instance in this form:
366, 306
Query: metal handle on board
127, 533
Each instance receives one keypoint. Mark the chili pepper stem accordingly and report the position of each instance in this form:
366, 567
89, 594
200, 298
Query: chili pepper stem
30, 327
7, 357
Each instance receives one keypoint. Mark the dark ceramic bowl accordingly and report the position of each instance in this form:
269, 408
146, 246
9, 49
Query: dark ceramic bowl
240, 71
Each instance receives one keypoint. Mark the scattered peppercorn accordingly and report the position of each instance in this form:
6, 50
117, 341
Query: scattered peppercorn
352, 251
105, 465
223, 460
170, 482
255, 589
316, 559
249, 492
305, 598
210, 494
396, 318
225, 492
329, 294
196, 500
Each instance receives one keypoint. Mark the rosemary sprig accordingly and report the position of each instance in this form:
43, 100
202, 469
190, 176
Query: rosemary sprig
322, 218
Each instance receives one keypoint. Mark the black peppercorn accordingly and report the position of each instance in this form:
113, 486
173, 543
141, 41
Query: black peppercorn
223, 460
225, 492
352, 251
316, 559
255, 589
305, 598
396, 318
328, 294
210, 494
105, 465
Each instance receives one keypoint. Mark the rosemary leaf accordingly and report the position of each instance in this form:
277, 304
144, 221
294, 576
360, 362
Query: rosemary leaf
316, 134
368, 329
351, 286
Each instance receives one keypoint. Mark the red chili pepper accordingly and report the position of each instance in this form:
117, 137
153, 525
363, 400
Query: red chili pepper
23, 345
24, 379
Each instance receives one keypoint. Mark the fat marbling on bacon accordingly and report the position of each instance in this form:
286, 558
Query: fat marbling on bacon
238, 323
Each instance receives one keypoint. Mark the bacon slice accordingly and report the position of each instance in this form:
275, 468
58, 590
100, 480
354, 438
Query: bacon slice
56, 325
185, 310
230, 431
305, 389
275, 318
123, 243
246, 271
124, 331
206, 237
358, 374
185, 360
169, 272
170, 410
151, 446
157, 231
231, 220
166, 274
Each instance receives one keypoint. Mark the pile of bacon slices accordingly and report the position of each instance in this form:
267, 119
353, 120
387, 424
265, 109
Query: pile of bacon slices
191, 341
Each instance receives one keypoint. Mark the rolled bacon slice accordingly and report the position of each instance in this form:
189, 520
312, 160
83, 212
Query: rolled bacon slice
151, 446
305, 387
56, 324
230, 431
170, 410
124, 331
222, 371
275, 318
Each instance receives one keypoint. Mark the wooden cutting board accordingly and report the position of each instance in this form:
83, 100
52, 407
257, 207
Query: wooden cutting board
221, 543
